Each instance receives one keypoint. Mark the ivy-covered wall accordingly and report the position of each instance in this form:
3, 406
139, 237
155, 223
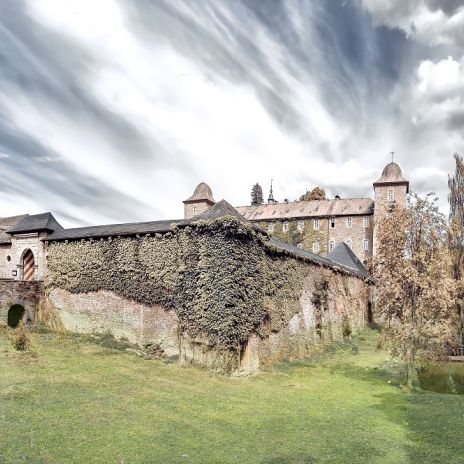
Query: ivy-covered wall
222, 279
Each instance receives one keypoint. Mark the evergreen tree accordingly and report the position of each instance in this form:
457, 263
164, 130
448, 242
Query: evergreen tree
456, 238
257, 195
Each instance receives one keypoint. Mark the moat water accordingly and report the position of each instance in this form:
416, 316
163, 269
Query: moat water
443, 378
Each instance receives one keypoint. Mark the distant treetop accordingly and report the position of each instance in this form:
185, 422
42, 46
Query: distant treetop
317, 193
257, 195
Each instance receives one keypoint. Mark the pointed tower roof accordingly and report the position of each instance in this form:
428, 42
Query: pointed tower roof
392, 175
202, 193
271, 195
343, 254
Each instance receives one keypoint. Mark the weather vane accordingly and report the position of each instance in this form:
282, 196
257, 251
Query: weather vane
393, 154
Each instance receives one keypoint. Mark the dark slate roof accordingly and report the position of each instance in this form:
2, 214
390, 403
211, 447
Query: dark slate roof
7, 223
344, 255
36, 223
114, 230
221, 209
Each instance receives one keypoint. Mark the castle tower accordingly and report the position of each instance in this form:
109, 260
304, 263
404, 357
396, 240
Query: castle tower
201, 200
391, 188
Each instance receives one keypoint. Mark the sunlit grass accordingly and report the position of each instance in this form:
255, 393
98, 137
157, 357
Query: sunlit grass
72, 401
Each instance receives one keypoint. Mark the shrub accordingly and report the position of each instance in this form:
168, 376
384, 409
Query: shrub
346, 327
21, 341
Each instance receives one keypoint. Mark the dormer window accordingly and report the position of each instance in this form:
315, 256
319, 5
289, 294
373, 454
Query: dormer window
391, 195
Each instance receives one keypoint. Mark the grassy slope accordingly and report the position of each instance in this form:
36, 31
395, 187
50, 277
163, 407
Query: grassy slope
80, 403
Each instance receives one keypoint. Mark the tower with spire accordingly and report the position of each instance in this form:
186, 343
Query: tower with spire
270, 199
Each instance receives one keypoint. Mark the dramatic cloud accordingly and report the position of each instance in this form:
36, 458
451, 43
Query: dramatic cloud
430, 21
114, 110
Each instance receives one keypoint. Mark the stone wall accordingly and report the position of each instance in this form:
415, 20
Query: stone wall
26, 294
216, 293
303, 233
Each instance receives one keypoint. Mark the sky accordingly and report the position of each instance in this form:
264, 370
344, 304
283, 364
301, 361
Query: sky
114, 110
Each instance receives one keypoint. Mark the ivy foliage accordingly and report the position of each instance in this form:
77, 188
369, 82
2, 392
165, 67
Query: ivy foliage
222, 277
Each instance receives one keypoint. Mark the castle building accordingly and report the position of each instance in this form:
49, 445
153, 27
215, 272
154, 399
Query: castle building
319, 226
223, 288
316, 227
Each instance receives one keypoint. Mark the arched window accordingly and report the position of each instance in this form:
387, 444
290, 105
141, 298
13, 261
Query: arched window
28, 264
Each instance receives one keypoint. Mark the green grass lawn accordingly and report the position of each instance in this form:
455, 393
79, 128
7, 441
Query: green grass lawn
76, 402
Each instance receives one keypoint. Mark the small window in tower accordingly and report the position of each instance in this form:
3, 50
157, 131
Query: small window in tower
316, 247
366, 245
194, 210
331, 245
349, 222
270, 227
391, 195
285, 226
8, 258
301, 226
332, 223
366, 222
316, 224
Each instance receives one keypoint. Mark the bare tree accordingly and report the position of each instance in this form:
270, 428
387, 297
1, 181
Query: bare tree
456, 238
414, 289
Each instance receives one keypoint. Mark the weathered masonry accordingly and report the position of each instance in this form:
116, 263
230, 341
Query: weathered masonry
218, 288
215, 290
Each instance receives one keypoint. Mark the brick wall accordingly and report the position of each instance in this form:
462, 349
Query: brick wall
26, 294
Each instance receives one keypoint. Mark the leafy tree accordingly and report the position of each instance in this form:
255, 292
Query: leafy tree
414, 288
257, 195
456, 238
317, 193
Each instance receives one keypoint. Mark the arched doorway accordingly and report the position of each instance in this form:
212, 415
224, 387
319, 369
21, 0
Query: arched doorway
28, 264
15, 315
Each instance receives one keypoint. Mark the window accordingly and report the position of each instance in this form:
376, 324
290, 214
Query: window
270, 227
349, 222
316, 247
331, 245
300, 226
366, 245
332, 223
366, 222
316, 224
285, 226
194, 210
391, 195
349, 242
